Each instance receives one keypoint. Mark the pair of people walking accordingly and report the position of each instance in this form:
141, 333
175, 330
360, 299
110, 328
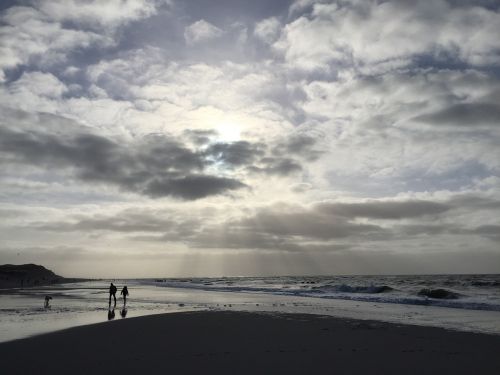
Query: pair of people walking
112, 293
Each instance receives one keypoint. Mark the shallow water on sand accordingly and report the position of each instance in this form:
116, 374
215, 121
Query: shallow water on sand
22, 313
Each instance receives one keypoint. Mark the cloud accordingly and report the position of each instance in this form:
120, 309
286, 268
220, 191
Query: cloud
291, 227
465, 115
276, 166
271, 158
268, 30
200, 136
48, 32
375, 121
156, 166
278, 227
305, 223
330, 36
201, 31
301, 187
391, 210
490, 231
27, 34
192, 187
410, 230
327, 225
374, 144
470, 201
127, 221
39, 84
301, 145
106, 14
260, 158
235, 153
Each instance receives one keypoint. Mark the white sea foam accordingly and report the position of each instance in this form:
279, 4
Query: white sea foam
475, 292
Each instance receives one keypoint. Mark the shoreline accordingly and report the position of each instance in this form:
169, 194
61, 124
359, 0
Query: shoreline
248, 342
23, 315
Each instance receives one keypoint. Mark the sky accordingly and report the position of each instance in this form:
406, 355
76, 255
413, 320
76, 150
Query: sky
169, 138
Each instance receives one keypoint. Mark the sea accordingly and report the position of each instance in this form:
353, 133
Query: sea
457, 302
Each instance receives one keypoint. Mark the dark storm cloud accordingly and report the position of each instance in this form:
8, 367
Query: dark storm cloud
127, 222
283, 158
306, 223
90, 152
166, 153
276, 166
156, 166
286, 156
301, 145
284, 228
490, 231
422, 229
192, 187
226, 237
324, 223
240, 238
169, 224
465, 115
384, 210
200, 137
235, 153
470, 201
281, 227
197, 232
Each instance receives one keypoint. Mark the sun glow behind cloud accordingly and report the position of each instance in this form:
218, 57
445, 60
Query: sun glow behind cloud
228, 132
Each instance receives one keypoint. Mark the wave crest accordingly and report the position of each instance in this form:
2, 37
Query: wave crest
438, 293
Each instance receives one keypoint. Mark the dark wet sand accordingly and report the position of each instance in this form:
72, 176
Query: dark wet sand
248, 343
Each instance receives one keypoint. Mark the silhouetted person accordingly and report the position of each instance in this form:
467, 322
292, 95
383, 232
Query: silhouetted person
47, 302
124, 293
112, 292
111, 313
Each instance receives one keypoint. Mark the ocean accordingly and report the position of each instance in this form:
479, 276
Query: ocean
461, 302
476, 292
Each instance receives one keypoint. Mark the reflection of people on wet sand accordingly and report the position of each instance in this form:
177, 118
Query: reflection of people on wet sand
124, 293
47, 302
111, 313
123, 312
112, 292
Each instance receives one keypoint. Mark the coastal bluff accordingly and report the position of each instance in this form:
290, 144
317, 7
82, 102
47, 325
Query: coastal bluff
26, 275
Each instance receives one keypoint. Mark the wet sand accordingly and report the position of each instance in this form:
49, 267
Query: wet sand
251, 343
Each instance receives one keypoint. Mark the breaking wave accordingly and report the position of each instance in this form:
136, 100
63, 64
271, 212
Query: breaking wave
476, 292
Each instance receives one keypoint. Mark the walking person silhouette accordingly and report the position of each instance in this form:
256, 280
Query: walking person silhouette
124, 293
112, 292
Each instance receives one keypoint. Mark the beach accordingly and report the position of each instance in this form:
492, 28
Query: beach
224, 342
249, 187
